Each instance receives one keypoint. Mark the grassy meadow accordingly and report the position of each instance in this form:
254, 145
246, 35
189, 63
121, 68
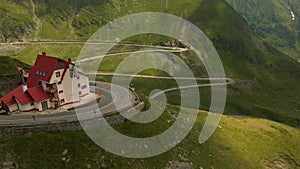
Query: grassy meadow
237, 143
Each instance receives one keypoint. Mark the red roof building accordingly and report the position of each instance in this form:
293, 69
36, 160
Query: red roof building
49, 85
38, 94
43, 69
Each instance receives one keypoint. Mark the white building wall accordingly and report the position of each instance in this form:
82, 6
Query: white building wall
13, 107
50, 104
39, 105
59, 86
67, 86
25, 107
44, 85
55, 79
84, 84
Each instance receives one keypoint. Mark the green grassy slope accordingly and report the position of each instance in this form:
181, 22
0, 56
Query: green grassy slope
9, 75
16, 20
272, 20
237, 143
75, 19
266, 80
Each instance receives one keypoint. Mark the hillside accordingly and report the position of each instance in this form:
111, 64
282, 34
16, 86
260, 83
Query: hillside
41, 20
266, 79
237, 143
9, 75
273, 20
266, 88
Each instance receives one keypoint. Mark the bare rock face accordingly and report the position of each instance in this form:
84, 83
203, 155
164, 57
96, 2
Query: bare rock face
282, 161
182, 163
65, 152
179, 165
9, 163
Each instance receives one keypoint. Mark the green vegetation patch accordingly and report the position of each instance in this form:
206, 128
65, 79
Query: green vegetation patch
237, 143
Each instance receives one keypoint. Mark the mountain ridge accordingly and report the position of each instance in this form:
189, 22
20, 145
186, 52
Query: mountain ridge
275, 21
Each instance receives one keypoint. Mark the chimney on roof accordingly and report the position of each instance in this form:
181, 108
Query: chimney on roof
43, 53
24, 87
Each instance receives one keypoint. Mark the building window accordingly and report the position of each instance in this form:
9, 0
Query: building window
62, 101
37, 72
59, 83
78, 84
83, 87
61, 91
57, 74
78, 77
41, 73
40, 83
32, 103
79, 93
44, 74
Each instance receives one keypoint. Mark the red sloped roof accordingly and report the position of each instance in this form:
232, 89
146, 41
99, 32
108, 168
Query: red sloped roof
8, 98
23, 98
47, 64
38, 94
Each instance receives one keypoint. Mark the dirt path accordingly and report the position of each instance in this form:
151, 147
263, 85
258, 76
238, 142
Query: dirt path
36, 20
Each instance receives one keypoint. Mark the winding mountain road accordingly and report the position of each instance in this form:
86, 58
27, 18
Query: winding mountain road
90, 43
172, 50
106, 106
224, 81
119, 96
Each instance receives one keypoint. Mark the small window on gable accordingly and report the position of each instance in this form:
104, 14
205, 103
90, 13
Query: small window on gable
57, 74
41, 73
37, 72
32, 103
44, 74
78, 84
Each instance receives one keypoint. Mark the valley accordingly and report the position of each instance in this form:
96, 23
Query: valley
262, 65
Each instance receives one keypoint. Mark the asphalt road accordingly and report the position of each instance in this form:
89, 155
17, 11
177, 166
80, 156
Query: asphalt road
93, 43
170, 49
214, 81
118, 96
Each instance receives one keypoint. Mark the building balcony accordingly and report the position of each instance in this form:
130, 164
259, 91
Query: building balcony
54, 99
51, 90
